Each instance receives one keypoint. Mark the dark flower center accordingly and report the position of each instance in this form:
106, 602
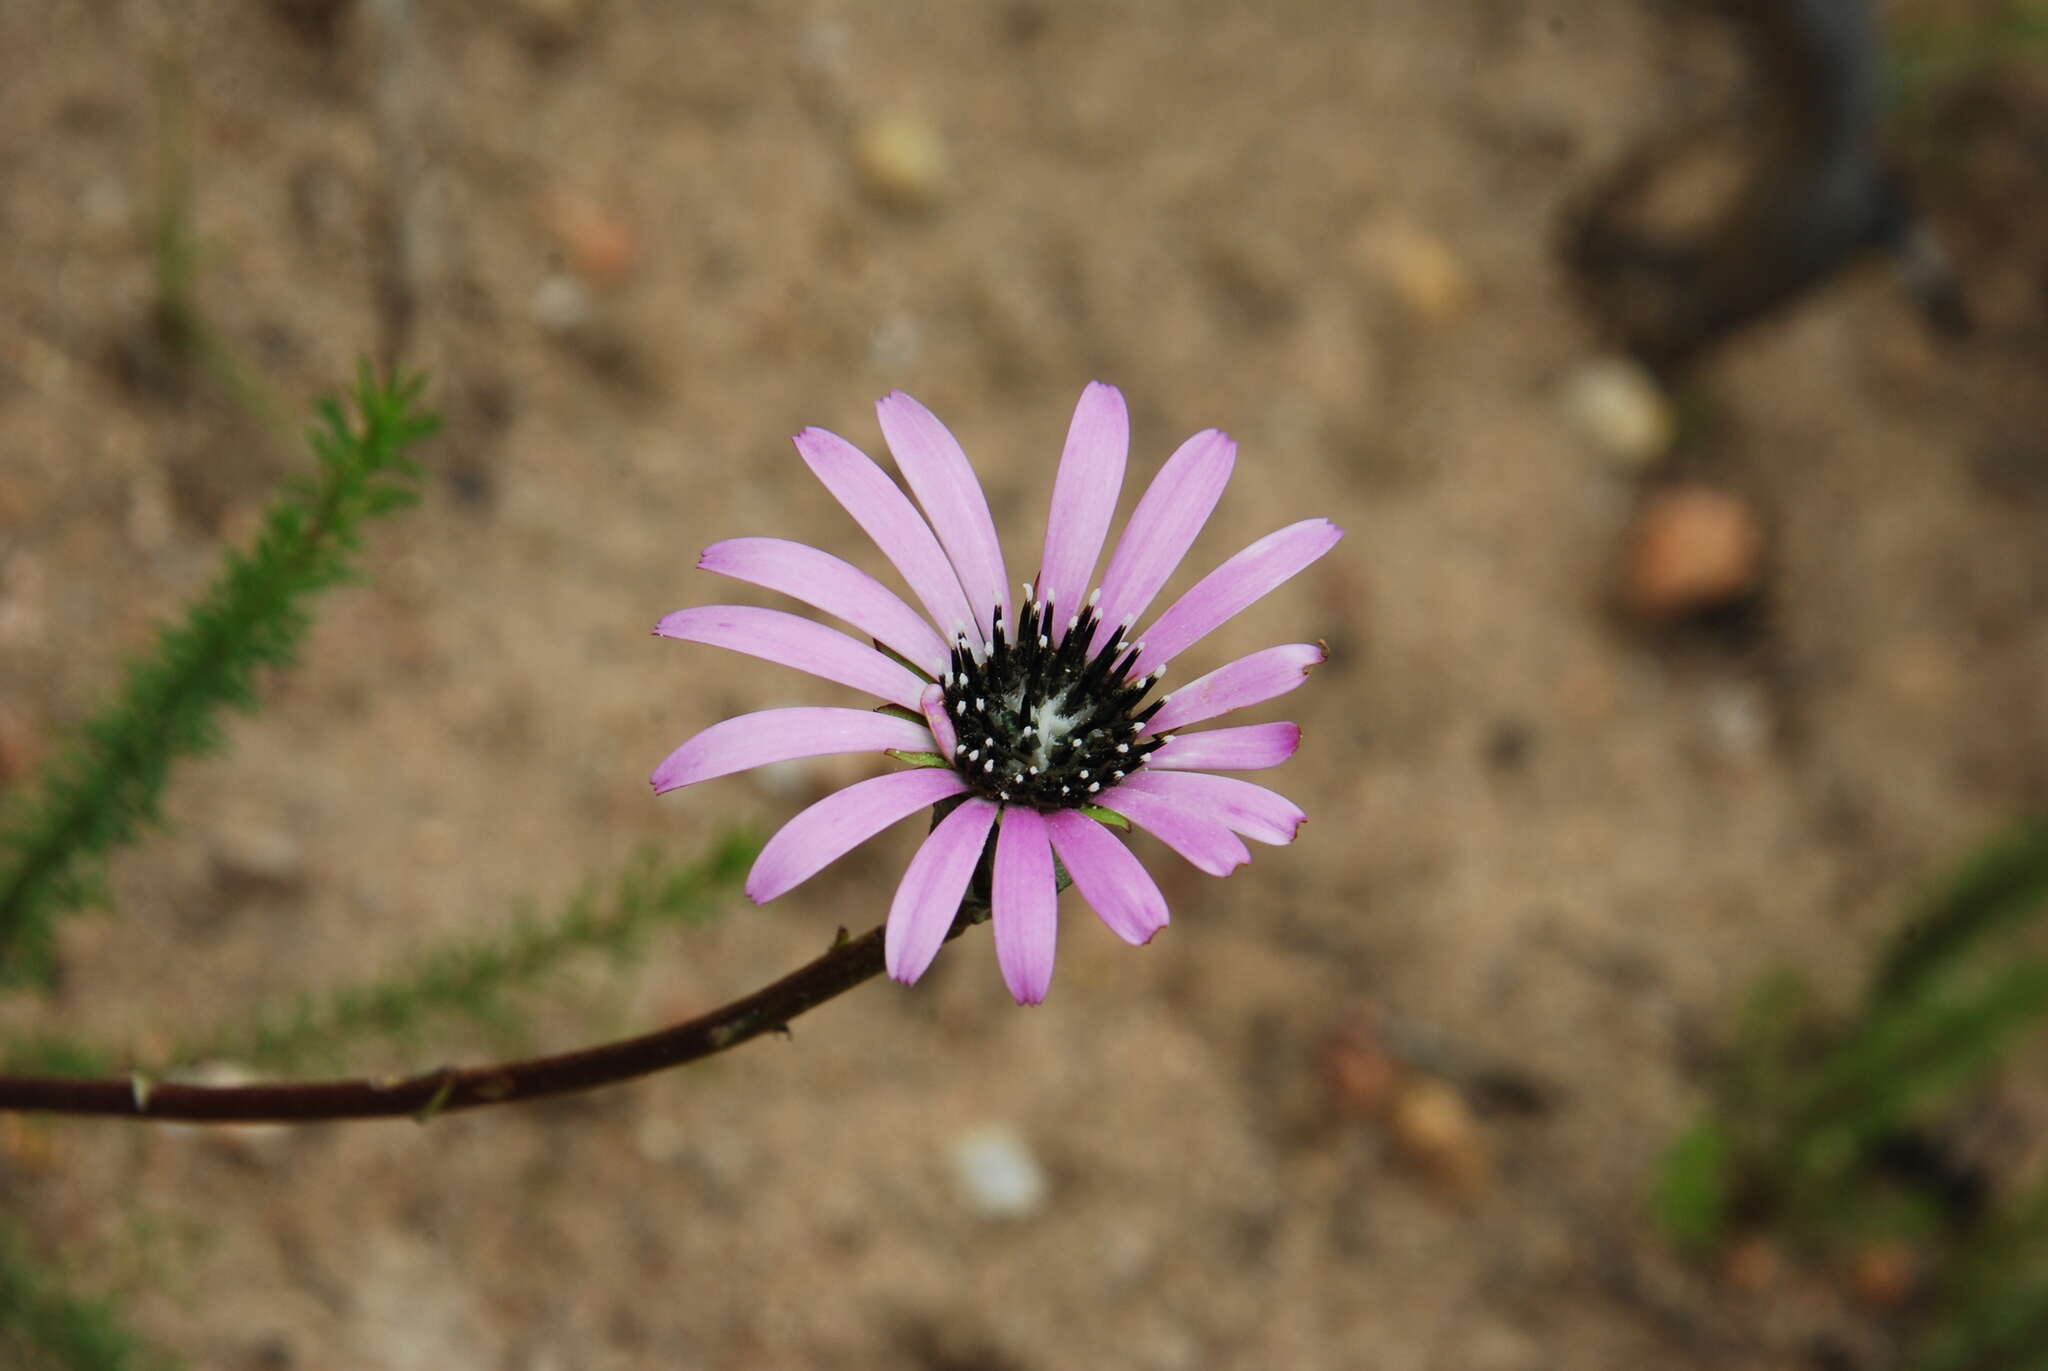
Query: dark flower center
1042, 722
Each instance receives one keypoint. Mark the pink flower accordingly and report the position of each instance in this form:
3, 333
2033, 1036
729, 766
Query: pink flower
1033, 720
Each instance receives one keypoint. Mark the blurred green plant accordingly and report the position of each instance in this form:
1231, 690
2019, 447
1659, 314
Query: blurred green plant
46, 1327
97, 793
1933, 51
1820, 1130
181, 336
470, 978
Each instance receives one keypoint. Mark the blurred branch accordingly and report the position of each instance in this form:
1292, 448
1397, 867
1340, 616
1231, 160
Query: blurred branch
422, 1097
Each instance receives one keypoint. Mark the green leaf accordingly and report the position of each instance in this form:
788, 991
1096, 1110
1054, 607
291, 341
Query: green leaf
1107, 816
1690, 1197
923, 759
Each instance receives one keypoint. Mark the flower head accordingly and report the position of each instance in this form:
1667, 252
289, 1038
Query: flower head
1038, 720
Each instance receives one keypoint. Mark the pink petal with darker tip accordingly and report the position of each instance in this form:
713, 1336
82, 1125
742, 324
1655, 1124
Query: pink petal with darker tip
826, 831
1112, 880
1245, 682
1206, 844
944, 483
885, 513
934, 883
1091, 476
1258, 813
1248, 747
1230, 588
782, 735
788, 640
1026, 905
837, 587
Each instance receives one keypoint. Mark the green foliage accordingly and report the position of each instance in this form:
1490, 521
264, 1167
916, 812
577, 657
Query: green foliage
1804, 1110
1990, 1311
1999, 887
44, 1327
96, 794
1934, 52
471, 978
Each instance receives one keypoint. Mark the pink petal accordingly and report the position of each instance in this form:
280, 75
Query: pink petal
1252, 810
1247, 681
801, 643
1026, 904
1112, 880
826, 831
1248, 747
932, 704
1266, 564
1173, 510
781, 735
885, 512
944, 483
842, 590
1207, 844
932, 887
1084, 496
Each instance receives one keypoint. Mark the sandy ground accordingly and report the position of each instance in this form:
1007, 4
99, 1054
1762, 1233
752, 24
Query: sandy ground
1546, 848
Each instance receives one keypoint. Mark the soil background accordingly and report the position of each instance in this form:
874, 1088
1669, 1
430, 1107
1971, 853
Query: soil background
637, 246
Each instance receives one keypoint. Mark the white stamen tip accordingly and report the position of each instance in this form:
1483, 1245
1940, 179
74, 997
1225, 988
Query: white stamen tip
1031, 771
975, 755
1002, 794
988, 766
1065, 791
1073, 623
1094, 786
1044, 642
1123, 747
1083, 775
961, 709
1095, 597
959, 748
1141, 644
1027, 592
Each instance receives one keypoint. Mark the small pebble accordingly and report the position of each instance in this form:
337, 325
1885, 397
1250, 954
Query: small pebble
561, 304
1884, 1274
1693, 548
251, 858
599, 244
902, 160
1619, 408
997, 1173
1429, 1121
1360, 1074
1419, 270
254, 1144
